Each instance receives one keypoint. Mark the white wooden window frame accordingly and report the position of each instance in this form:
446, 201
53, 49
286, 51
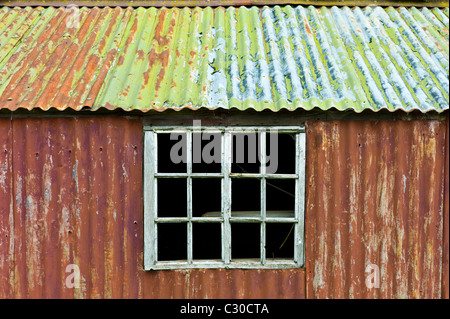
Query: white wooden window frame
150, 199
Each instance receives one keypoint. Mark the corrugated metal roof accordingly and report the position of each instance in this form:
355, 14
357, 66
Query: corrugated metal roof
214, 3
260, 58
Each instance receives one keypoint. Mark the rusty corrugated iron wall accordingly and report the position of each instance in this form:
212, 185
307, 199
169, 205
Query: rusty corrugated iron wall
375, 195
445, 276
77, 200
222, 283
6, 211
71, 193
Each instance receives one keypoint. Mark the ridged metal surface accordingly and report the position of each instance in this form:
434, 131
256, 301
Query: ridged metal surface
226, 284
445, 276
375, 195
207, 3
6, 211
260, 58
71, 193
77, 193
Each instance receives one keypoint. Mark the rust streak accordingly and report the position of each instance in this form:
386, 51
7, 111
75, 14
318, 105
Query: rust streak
379, 201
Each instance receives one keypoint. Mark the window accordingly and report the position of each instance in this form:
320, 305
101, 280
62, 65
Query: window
224, 197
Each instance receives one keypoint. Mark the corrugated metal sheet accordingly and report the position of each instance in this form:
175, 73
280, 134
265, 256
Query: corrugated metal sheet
445, 266
6, 212
226, 284
207, 3
77, 191
375, 195
270, 58
71, 193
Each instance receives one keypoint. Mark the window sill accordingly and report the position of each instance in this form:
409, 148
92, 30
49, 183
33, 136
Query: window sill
216, 264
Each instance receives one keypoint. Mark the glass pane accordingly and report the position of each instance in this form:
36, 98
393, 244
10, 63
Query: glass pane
172, 241
168, 189
172, 153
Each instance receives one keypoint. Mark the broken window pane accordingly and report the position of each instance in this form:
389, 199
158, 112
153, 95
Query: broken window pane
280, 240
280, 195
206, 152
172, 241
170, 188
280, 153
172, 153
206, 197
245, 158
245, 194
245, 240
207, 241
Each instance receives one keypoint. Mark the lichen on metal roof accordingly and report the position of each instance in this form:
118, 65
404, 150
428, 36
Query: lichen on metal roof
291, 57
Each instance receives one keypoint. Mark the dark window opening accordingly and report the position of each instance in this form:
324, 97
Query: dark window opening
245, 195
245, 241
279, 240
245, 150
280, 195
207, 241
169, 188
206, 153
284, 163
206, 196
175, 162
172, 241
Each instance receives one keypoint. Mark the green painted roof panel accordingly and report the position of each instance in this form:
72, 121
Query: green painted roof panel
238, 57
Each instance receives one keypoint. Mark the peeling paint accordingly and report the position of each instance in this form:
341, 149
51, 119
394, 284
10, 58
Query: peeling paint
99, 229
391, 217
